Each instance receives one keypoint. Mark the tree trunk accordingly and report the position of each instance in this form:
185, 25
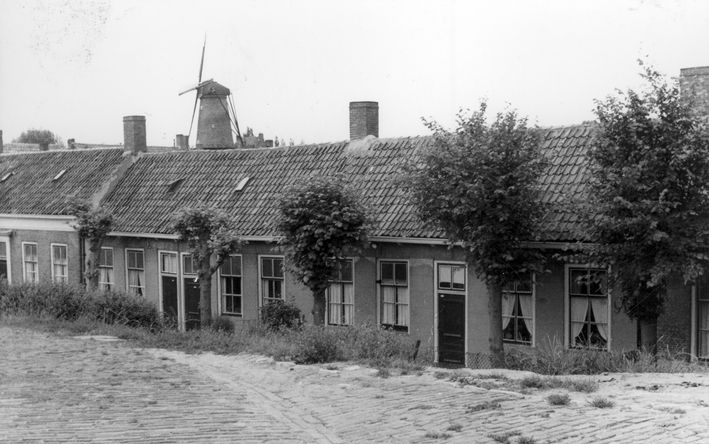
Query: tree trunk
648, 334
205, 301
319, 307
92, 271
494, 310
205, 292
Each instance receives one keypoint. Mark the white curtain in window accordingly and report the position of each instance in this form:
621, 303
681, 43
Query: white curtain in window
106, 277
579, 306
348, 300
135, 280
508, 306
525, 302
600, 313
388, 305
402, 308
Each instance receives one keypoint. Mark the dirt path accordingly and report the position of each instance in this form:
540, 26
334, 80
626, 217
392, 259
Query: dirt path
63, 389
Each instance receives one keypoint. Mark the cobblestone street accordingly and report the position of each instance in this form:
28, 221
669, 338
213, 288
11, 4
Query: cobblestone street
69, 389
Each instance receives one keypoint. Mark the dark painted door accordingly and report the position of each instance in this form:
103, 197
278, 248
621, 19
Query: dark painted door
3, 269
191, 304
169, 299
451, 328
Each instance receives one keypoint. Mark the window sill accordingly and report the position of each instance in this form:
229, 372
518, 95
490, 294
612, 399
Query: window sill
233, 315
396, 328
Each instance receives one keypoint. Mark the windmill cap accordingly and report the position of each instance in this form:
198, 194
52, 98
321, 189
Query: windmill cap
214, 89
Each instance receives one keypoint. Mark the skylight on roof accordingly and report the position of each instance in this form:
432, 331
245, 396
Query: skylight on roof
58, 176
6, 176
242, 183
174, 184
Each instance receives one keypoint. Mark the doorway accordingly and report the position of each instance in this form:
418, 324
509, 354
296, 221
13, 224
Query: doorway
168, 286
191, 292
450, 297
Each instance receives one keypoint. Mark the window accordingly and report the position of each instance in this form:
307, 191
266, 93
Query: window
230, 285
394, 290
135, 271
272, 279
29, 262
59, 264
189, 266
588, 308
4, 269
517, 312
451, 277
340, 295
105, 269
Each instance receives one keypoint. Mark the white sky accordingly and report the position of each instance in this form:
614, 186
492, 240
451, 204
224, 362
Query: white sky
77, 66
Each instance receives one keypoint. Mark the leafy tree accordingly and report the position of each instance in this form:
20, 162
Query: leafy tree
93, 225
320, 221
478, 184
211, 237
40, 136
649, 195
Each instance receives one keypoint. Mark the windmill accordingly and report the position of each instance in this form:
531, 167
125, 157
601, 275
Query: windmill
217, 116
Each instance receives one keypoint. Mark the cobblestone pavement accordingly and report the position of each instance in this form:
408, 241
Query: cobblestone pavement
64, 389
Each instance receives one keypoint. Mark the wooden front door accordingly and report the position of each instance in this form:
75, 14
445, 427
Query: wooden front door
191, 304
168, 288
451, 293
190, 286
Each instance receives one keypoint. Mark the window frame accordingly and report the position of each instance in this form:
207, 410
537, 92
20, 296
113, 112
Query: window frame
380, 295
261, 298
64, 278
568, 268
342, 303
5, 240
129, 288
107, 286
223, 295
514, 318
24, 263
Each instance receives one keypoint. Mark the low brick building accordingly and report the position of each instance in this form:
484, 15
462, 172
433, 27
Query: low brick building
408, 280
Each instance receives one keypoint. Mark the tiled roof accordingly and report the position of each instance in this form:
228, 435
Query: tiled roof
157, 185
33, 184
565, 179
16, 147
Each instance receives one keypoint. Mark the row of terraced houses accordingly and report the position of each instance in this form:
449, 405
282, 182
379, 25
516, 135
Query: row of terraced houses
408, 279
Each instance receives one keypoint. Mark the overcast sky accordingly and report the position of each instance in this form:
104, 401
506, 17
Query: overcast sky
77, 66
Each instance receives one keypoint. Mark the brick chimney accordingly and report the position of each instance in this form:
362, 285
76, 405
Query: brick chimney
364, 120
134, 134
182, 142
694, 87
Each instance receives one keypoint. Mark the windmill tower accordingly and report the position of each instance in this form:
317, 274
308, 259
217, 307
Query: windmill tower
217, 116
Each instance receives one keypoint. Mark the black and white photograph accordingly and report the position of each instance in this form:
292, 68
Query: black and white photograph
375, 221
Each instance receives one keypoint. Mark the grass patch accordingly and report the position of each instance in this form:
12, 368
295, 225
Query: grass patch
587, 385
526, 440
558, 399
601, 403
454, 428
504, 437
552, 358
487, 405
437, 435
